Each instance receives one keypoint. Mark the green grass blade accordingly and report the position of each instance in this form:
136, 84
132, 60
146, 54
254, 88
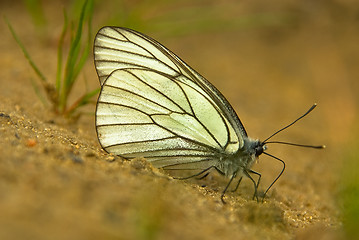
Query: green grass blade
85, 99
86, 50
75, 48
59, 54
38, 92
27, 55
71, 60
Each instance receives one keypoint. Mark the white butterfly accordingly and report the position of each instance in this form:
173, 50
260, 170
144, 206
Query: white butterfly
153, 105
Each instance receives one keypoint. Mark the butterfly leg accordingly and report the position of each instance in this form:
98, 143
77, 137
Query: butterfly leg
257, 185
246, 172
225, 189
236, 188
204, 176
259, 176
197, 174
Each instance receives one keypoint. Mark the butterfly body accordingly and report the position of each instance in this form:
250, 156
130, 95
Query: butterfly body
242, 160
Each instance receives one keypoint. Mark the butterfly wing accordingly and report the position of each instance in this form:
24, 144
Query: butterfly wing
154, 105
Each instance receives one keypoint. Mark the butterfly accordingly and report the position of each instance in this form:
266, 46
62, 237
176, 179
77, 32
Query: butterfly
153, 105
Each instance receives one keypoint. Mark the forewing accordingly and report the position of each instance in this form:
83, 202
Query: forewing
118, 48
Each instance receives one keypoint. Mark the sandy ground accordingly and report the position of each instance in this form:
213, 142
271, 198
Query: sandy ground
57, 183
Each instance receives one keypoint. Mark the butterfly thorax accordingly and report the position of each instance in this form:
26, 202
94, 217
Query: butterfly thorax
243, 159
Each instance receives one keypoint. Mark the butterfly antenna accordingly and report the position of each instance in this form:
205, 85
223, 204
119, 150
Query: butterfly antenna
298, 145
280, 130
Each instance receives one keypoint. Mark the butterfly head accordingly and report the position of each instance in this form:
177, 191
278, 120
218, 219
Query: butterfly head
259, 148
254, 147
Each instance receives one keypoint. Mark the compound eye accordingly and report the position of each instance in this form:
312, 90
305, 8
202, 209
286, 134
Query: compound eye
259, 150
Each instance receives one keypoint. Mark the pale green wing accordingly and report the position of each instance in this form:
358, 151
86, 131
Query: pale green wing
154, 105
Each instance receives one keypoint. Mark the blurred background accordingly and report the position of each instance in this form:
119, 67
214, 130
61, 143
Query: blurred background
272, 61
